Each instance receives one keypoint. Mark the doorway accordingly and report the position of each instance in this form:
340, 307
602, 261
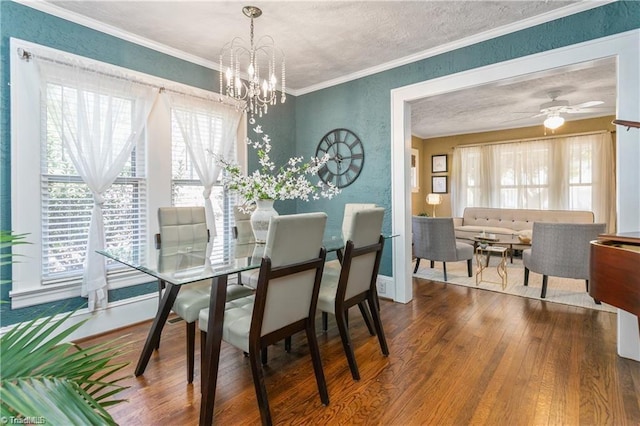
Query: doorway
625, 47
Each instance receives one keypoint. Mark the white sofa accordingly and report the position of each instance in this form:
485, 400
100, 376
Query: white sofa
507, 224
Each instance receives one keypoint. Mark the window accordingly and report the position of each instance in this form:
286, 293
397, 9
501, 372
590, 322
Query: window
581, 176
186, 187
574, 173
51, 201
67, 201
471, 180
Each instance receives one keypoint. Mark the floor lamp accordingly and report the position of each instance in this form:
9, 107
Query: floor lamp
434, 200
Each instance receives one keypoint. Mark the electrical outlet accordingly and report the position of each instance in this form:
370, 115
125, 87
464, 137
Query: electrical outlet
382, 287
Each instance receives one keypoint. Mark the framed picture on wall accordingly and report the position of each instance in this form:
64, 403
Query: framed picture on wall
439, 184
415, 167
439, 163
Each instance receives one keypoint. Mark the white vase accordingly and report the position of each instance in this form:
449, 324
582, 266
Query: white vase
260, 219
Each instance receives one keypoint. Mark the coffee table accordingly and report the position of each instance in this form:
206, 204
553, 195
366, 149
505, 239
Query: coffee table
482, 263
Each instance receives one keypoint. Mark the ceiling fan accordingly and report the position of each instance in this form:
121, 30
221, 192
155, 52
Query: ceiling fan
556, 107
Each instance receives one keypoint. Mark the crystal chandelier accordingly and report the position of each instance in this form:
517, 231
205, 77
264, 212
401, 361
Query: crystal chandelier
258, 63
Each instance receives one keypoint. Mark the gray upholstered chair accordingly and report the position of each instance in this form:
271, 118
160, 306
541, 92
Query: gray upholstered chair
560, 250
434, 239
185, 228
285, 300
355, 282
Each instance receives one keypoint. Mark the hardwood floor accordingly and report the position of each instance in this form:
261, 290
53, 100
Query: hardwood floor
458, 356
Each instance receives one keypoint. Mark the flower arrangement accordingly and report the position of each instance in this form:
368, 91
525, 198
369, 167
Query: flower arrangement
287, 183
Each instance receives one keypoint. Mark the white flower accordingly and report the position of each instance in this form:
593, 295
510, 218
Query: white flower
288, 183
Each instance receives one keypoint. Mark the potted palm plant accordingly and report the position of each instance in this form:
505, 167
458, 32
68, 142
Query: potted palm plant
47, 380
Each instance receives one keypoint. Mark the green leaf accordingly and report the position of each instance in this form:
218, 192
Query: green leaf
40, 373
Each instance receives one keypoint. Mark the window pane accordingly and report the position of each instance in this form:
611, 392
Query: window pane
62, 104
66, 216
580, 198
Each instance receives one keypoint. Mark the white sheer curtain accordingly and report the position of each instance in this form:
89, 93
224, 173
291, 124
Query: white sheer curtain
466, 179
99, 117
563, 173
209, 129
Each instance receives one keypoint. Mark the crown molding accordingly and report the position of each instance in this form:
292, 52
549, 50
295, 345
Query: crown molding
562, 12
487, 35
93, 24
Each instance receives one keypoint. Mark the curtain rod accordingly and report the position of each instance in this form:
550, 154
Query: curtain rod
532, 139
27, 56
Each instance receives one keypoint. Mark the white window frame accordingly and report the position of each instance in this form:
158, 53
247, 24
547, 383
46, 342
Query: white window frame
27, 289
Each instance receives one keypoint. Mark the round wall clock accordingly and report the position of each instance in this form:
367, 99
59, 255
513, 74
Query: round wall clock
346, 157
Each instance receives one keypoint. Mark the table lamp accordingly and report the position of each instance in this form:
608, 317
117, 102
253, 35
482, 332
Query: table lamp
434, 200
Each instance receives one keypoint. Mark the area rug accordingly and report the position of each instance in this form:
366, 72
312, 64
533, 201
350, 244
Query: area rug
559, 290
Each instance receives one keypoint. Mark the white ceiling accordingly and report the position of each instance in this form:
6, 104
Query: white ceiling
327, 42
514, 103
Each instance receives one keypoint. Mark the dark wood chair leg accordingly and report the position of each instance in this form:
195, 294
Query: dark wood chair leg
203, 339
417, 264
378, 324
287, 344
261, 391
444, 268
346, 344
587, 285
367, 317
544, 287
263, 356
317, 364
191, 347
469, 267
325, 321
526, 276
432, 264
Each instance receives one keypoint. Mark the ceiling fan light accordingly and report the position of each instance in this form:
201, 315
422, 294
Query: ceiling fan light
553, 122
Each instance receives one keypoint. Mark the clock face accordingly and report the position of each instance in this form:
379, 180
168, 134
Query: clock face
346, 157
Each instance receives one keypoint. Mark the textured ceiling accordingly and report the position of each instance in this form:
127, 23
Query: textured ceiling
330, 41
514, 103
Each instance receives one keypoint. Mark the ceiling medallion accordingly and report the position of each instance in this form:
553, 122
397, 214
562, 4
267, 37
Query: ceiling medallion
250, 71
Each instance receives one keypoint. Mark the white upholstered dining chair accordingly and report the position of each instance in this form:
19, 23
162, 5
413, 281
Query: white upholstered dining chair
185, 229
285, 299
355, 282
242, 232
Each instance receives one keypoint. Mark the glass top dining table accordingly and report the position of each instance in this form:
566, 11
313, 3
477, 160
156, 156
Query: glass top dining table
177, 266
185, 264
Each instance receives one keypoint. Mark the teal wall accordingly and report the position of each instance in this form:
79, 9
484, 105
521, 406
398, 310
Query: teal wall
363, 106
31, 25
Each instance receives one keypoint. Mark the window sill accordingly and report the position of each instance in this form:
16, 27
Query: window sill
71, 288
